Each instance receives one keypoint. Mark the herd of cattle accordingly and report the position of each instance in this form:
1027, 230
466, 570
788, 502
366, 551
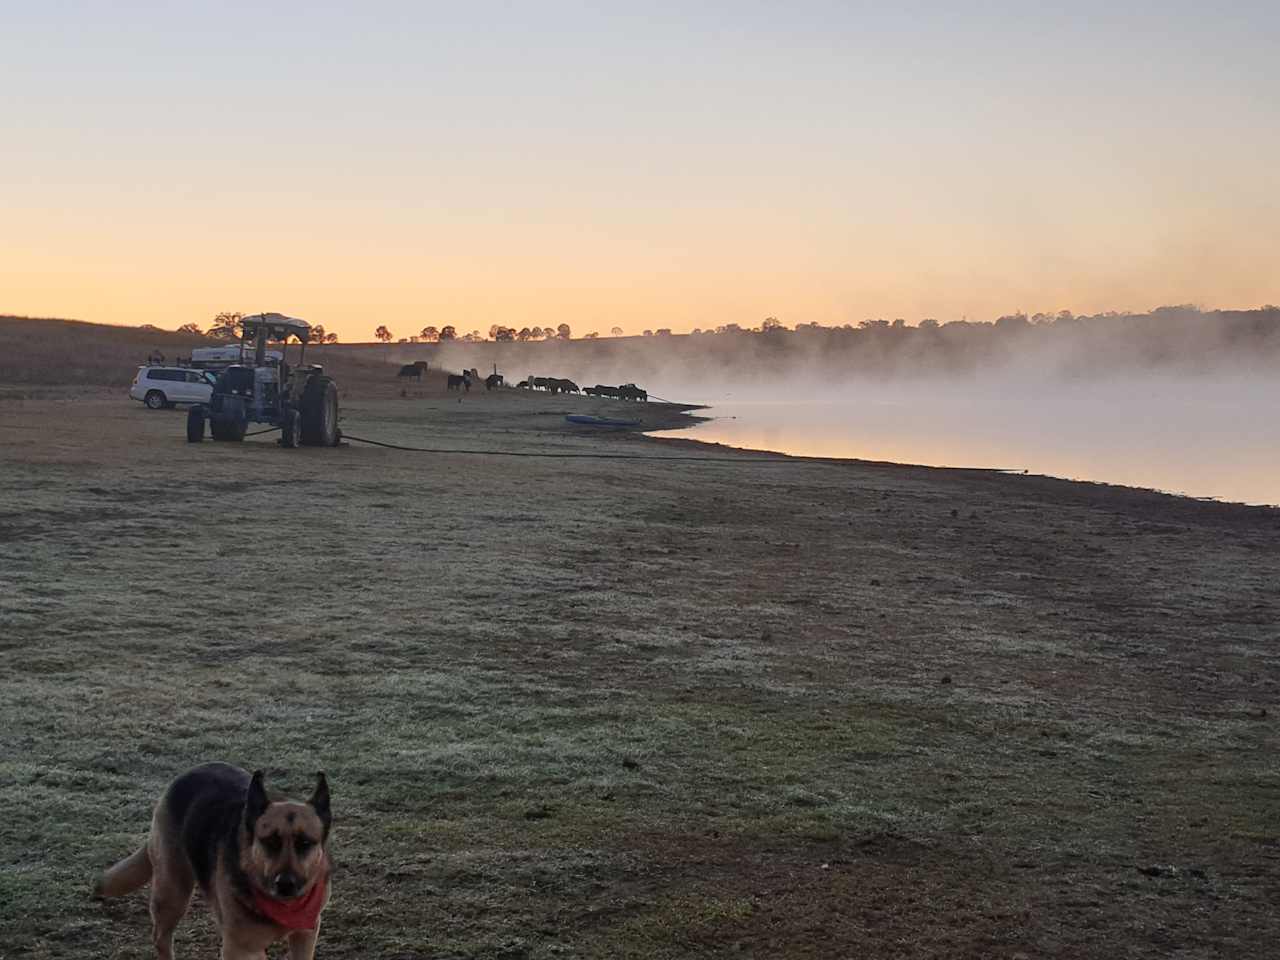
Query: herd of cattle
628, 391
464, 380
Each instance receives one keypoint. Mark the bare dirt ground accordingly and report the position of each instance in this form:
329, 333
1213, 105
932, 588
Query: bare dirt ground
635, 708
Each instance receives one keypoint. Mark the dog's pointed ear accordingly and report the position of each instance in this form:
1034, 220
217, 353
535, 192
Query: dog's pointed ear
255, 800
320, 801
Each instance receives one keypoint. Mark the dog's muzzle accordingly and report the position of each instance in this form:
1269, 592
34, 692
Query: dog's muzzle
286, 885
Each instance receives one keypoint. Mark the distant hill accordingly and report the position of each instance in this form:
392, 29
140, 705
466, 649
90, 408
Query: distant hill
1180, 340
42, 351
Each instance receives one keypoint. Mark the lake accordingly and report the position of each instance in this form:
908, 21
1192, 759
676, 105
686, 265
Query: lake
1201, 436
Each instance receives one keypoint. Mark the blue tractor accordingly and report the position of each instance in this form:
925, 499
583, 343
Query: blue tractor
298, 399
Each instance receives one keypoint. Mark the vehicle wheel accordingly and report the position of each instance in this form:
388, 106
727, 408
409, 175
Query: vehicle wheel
195, 425
155, 400
320, 413
232, 423
291, 429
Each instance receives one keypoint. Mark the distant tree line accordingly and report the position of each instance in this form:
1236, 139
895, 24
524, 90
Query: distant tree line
1184, 336
1154, 337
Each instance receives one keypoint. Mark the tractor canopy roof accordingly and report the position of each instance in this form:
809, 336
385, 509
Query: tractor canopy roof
279, 327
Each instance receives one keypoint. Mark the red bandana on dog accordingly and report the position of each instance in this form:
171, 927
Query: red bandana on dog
300, 913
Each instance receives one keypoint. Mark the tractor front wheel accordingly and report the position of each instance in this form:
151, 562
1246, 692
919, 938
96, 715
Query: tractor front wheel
320, 413
195, 424
228, 430
232, 422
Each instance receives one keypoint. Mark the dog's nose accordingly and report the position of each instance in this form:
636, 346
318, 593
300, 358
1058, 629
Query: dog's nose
287, 885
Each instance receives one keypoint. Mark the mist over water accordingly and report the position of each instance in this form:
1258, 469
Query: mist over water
1205, 436
1178, 399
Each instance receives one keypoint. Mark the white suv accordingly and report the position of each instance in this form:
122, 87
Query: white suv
160, 387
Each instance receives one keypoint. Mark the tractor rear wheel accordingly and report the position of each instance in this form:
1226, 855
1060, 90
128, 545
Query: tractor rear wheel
320, 413
195, 424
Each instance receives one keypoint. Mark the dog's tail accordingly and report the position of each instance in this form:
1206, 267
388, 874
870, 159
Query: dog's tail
128, 875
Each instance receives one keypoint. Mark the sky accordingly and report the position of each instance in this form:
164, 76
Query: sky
642, 166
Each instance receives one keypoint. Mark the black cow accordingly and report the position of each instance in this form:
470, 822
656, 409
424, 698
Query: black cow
411, 370
459, 382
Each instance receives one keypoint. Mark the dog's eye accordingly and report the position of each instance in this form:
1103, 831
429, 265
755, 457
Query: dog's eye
303, 844
271, 843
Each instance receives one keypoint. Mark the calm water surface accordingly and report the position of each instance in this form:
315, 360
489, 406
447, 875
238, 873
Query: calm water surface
1204, 437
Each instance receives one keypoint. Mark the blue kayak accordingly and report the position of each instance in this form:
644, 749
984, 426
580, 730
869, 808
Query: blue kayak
585, 421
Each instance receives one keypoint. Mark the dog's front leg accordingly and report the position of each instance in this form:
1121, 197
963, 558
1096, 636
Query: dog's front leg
302, 943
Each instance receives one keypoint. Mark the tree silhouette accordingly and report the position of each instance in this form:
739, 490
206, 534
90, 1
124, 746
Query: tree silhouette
616, 331
383, 334
1012, 321
330, 338
226, 326
524, 334
562, 331
191, 328
770, 324
430, 334
447, 333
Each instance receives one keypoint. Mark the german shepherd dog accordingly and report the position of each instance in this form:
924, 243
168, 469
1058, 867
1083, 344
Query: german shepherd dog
262, 864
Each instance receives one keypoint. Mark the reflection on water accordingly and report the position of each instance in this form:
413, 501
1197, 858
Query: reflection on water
1202, 437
